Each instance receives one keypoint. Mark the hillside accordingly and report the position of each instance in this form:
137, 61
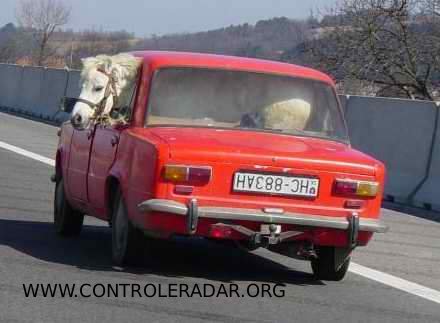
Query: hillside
270, 39
266, 39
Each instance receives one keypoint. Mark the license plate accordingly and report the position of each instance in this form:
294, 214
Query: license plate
276, 184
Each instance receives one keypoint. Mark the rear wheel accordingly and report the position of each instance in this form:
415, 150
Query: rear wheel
324, 267
67, 221
127, 241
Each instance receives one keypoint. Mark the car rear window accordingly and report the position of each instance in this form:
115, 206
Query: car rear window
250, 101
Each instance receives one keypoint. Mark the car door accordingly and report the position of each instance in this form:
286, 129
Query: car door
102, 157
78, 165
103, 154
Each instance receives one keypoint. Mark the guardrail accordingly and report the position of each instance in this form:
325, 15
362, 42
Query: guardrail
404, 134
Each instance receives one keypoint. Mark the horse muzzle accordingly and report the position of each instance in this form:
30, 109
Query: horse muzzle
79, 122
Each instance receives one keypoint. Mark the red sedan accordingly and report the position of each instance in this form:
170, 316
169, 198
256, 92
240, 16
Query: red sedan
225, 148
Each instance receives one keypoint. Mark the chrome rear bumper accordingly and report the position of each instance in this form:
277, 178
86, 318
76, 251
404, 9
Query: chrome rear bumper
194, 212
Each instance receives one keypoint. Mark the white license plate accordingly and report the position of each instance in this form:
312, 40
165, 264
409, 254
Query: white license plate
276, 184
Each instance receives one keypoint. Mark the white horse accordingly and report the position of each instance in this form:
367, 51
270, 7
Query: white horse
289, 115
292, 114
105, 80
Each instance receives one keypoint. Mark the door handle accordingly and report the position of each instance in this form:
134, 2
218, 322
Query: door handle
114, 141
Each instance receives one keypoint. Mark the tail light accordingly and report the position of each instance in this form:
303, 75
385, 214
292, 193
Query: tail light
346, 187
197, 175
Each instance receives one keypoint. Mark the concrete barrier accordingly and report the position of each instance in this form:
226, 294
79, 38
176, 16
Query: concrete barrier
29, 98
397, 132
71, 89
429, 193
53, 90
10, 79
34, 91
73, 86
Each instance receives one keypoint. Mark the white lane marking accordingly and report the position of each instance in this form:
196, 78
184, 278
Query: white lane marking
27, 153
10, 116
386, 279
396, 282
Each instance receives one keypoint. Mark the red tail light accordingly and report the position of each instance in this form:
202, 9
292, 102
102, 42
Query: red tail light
197, 175
346, 187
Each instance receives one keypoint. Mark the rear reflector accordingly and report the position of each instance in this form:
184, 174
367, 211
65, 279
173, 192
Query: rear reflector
346, 187
220, 231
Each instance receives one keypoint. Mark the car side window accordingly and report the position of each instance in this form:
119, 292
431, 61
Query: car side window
124, 106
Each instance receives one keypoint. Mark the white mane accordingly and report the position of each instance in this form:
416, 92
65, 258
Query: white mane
121, 65
123, 69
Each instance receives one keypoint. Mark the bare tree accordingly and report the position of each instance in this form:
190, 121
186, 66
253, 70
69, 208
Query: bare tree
431, 7
42, 18
392, 44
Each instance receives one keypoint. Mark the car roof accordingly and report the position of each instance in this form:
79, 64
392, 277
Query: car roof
163, 59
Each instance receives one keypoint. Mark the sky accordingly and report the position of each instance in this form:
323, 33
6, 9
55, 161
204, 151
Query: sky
147, 17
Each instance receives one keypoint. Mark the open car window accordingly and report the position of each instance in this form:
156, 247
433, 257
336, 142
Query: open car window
124, 106
245, 100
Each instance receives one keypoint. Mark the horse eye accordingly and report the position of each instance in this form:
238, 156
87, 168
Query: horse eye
99, 88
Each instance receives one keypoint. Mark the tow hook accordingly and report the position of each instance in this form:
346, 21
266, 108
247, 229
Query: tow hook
258, 240
262, 240
274, 237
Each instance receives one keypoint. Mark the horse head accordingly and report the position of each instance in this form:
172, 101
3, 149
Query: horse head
104, 80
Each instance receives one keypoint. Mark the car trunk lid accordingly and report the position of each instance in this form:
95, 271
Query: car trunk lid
262, 149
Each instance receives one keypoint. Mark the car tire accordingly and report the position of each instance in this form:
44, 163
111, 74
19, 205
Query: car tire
127, 241
324, 266
68, 222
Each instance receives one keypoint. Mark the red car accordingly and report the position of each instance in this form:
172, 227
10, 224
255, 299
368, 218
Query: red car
226, 148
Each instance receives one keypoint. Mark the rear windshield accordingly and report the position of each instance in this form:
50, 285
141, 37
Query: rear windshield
250, 101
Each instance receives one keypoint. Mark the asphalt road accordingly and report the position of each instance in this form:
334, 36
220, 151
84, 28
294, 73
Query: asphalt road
30, 252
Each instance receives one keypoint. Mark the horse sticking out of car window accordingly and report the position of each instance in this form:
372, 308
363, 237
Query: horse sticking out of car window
107, 84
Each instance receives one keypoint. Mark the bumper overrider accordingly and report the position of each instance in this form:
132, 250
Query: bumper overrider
352, 223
